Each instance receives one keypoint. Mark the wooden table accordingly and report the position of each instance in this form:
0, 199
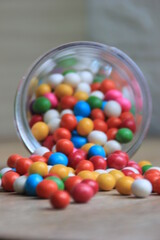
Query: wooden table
107, 216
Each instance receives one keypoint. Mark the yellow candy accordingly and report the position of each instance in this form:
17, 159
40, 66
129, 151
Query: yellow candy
106, 181
86, 175
63, 90
123, 185
79, 95
95, 174
85, 126
43, 89
117, 174
87, 146
40, 131
71, 170
144, 162
61, 170
40, 168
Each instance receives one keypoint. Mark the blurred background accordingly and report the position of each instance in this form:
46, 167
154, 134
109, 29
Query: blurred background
30, 28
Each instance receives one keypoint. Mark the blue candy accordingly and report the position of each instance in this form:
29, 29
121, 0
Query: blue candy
96, 150
57, 158
82, 108
103, 104
31, 184
78, 141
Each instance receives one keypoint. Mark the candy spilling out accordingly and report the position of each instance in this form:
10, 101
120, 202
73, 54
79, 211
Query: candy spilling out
46, 175
82, 121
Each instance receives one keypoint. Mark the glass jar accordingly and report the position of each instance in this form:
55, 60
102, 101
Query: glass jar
97, 58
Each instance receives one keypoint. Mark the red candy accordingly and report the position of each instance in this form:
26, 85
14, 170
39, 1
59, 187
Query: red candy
82, 193
107, 85
22, 165
68, 102
65, 146
46, 188
37, 158
60, 199
93, 184
98, 162
75, 157
129, 123
8, 180
68, 121
114, 122
11, 162
35, 119
49, 142
118, 160
97, 114
111, 133
134, 165
84, 165
100, 125
71, 182
61, 133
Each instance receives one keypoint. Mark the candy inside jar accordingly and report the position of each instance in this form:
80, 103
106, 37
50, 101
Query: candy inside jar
89, 96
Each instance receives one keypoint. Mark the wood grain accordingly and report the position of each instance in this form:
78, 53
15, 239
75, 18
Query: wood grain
107, 216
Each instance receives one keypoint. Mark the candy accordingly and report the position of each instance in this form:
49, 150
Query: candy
58, 158
8, 180
40, 168
46, 188
82, 193
93, 184
123, 185
100, 125
62, 90
32, 181
68, 102
82, 108
106, 181
50, 114
124, 135
97, 137
19, 184
22, 165
86, 77
60, 169
107, 85
117, 160
40, 130
96, 150
12, 159
64, 146
111, 146
41, 105
84, 165
83, 87
68, 121
94, 102
71, 182
55, 79
56, 180
43, 89
141, 188
85, 126
112, 109
72, 79
60, 199
53, 125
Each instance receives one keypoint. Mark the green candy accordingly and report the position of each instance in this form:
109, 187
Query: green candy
1, 175
94, 102
124, 135
41, 105
145, 168
68, 71
58, 181
67, 62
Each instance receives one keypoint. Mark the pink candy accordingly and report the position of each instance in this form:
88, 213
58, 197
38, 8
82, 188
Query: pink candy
52, 98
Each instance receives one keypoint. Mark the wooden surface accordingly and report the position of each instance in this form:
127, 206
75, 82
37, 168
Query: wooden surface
107, 216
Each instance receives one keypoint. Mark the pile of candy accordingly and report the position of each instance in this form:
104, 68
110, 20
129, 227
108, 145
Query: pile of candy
81, 120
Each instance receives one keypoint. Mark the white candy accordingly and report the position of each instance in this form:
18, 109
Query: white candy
86, 76
112, 109
66, 111
132, 169
19, 184
84, 87
41, 151
54, 124
72, 79
50, 114
46, 67
4, 170
98, 94
97, 137
141, 188
112, 146
71, 174
55, 79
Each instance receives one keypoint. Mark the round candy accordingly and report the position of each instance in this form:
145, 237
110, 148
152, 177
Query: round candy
97, 114
60, 199
114, 122
40, 131
113, 94
78, 141
8, 180
82, 193
85, 174
19, 184
111, 146
124, 135
100, 125
83, 87
141, 188
111, 133
43, 89
85, 126
97, 137
117, 174
71, 182
94, 102
79, 95
40, 168
41, 105
61, 133
75, 157
53, 125
55, 79
84, 165
46, 188
68, 121
64, 146
52, 98
143, 163
96, 150
87, 146
156, 186
98, 162
106, 181
125, 104
12, 159
68, 102
63, 89
112, 109
98, 94
61, 170
50, 115
58, 158
35, 118
32, 181
72, 79
86, 76
23, 165
93, 184
66, 111
82, 108
107, 85
117, 160
123, 185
